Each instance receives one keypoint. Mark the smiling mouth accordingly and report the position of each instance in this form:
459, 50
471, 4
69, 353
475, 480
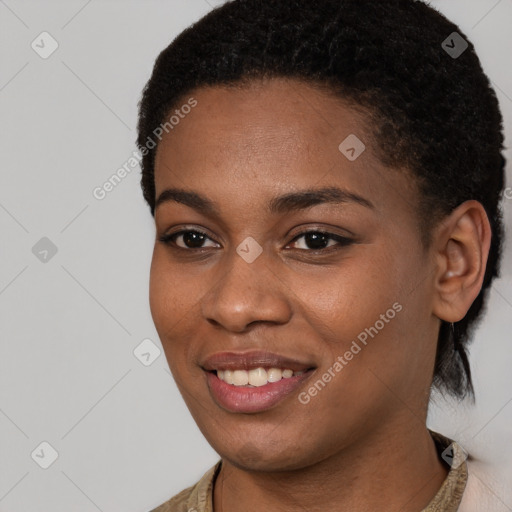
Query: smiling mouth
253, 381
232, 389
256, 377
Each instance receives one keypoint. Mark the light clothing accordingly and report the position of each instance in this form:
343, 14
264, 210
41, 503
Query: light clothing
199, 497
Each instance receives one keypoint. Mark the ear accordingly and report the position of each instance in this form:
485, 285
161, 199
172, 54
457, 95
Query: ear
461, 244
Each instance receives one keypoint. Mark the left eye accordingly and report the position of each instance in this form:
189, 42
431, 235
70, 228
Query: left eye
320, 240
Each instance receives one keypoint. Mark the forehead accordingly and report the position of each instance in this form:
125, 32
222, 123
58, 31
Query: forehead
269, 136
288, 117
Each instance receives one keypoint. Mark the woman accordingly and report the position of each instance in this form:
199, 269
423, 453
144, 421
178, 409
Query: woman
325, 181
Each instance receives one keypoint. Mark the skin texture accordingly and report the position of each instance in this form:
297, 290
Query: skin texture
361, 443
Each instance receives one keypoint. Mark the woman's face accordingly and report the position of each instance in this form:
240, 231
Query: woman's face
352, 308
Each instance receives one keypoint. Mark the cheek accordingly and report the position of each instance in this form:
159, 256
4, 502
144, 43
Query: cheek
159, 291
353, 295
363, 312
168, 305
171, 294
175, 303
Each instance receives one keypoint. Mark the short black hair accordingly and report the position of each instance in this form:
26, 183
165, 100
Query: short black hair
432, 112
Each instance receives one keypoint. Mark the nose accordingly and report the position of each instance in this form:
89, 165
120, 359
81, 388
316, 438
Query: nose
246, 293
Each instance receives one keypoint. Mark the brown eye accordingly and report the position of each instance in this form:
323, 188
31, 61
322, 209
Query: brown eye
320, 240
190, 239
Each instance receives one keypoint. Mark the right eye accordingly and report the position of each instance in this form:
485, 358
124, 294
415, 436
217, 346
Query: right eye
192, 239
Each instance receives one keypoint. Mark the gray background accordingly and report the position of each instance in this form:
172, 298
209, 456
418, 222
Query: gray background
69, 326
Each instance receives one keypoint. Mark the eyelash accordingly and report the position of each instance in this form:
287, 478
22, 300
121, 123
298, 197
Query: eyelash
169, 239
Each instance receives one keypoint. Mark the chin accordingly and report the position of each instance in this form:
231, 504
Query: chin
266, 463
266, 458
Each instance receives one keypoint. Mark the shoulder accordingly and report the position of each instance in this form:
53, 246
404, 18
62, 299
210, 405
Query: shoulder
177, 503
449, 496
197, 498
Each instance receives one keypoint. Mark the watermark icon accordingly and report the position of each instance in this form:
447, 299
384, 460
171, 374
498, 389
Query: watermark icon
352, 147
100, 192
249, 249
342, 360
44, 455
147, 352
508, 193
44, 45
44, 250
454, 455
454, 45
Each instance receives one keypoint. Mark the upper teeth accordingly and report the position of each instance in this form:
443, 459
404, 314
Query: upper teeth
256, 376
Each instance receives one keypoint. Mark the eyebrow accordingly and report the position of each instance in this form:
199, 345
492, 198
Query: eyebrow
286, 203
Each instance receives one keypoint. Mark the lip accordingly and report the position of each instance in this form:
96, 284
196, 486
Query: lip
239, 399
253, 399
252, 359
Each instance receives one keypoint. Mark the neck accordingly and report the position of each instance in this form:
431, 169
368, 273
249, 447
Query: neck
396, 469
